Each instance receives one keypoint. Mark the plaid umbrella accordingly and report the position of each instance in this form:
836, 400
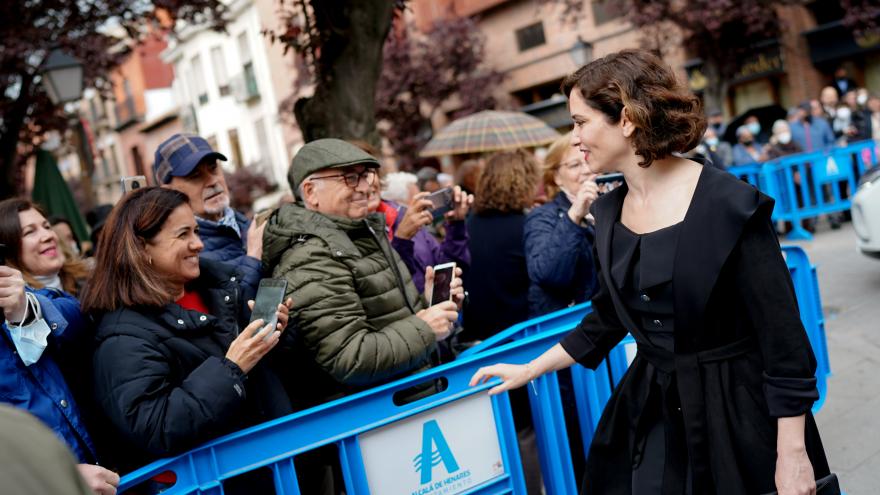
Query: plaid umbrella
490, 130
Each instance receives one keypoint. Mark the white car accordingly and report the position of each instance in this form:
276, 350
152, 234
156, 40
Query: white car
866, 213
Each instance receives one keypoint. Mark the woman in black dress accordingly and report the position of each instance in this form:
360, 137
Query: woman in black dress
718, 397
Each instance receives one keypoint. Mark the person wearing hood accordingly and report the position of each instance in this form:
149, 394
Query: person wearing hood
559, 235
360, 319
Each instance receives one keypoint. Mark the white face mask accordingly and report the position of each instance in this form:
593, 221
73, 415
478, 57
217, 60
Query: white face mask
754, 128
862, 99
30, 340
784, 137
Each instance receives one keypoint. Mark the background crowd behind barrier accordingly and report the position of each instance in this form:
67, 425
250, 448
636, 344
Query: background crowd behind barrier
834, 118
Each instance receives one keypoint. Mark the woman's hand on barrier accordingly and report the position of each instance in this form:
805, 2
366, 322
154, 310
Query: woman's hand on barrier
254, 342
441, 318
283, 313
100, 480
418, 214
12, 298
512, 376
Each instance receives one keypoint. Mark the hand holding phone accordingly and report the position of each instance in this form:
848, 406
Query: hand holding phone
134, 182
442, 202
269, 295
442, 288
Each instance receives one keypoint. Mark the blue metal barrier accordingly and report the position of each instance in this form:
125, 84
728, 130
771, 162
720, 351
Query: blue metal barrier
806, 287
353, 422
807, 185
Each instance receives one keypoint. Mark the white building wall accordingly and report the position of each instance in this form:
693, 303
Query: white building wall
222, 113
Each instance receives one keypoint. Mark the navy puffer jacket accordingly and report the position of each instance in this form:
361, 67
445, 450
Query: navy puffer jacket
559, 257
222, 243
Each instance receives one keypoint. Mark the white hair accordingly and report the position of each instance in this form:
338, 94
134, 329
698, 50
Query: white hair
779, 125
396, 186
300, 193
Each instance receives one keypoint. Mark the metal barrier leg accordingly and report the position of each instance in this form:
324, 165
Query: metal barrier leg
552, 436
284, 474
798, 232
592, 389
353, 467
509, 448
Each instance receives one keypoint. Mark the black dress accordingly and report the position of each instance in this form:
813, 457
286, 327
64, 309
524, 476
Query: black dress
740, 358
641, 267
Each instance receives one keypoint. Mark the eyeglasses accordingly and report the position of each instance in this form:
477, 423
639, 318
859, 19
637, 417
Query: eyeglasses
573, 165
352, 179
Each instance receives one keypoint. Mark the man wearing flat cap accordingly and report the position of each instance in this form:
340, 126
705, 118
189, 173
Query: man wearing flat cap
361, 321
187, 163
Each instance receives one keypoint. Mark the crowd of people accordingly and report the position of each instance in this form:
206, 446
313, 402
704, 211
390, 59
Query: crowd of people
842, 113
146, 349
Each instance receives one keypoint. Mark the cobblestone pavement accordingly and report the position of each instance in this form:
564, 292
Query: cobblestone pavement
849, 421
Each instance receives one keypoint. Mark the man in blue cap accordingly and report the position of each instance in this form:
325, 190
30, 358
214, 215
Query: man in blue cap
187, 163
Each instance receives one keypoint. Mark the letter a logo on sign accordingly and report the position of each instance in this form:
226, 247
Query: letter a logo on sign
432, 456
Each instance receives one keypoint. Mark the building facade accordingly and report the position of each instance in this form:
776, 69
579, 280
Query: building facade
229, 86
536, 46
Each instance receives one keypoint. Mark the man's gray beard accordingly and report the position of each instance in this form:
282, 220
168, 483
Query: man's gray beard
221, 209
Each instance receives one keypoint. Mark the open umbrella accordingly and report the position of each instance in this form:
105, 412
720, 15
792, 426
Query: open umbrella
52, 193
490, 130
767, 115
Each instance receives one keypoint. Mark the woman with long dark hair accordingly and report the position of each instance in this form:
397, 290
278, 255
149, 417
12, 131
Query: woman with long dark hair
718, 397
176, 363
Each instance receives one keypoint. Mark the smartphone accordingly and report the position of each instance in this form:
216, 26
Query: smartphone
134, 182
443, 275
608, 179
441, 201
2, 254
270, 294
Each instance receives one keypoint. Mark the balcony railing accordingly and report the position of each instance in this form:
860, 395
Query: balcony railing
126, 114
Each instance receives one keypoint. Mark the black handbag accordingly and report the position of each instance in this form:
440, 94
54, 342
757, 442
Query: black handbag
824, 486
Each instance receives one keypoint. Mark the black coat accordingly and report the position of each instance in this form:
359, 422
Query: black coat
497, 281
163, 381
741, 360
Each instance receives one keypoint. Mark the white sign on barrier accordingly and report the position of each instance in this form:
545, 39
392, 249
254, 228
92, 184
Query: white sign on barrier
444, 451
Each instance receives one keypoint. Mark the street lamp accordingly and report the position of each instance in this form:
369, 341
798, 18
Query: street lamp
62, 77
581, 52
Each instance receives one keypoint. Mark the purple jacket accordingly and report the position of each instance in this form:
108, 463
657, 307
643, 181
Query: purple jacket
423, 250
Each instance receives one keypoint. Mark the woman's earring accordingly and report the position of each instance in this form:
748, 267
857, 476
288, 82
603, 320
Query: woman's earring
150, 260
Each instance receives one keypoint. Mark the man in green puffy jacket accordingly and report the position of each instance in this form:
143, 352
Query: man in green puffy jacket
360, 319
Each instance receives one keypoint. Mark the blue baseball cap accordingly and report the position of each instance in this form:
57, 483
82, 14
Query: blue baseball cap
179, 155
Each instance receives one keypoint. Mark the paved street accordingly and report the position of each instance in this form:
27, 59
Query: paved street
850, 419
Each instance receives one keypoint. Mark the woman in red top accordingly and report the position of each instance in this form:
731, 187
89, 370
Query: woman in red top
172, 367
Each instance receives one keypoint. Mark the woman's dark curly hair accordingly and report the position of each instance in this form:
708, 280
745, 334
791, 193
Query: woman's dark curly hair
667, 116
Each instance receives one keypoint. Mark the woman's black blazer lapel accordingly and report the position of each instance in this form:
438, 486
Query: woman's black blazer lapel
719, 210
606, 211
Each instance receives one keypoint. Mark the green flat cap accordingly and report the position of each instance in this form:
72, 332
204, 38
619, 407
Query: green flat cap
323, 154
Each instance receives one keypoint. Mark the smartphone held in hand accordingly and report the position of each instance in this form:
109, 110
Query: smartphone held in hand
442, 290
269, 295
442, 202
134, 182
